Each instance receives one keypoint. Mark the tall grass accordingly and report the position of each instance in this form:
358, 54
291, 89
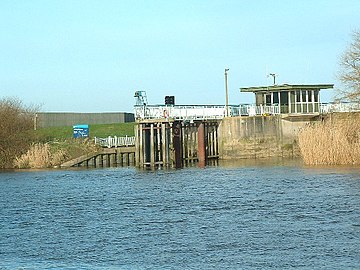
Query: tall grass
45, 155
331, 142
40, 156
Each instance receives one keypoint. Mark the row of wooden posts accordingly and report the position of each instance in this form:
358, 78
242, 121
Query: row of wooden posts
175, 144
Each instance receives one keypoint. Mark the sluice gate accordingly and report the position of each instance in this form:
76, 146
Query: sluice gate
172, 143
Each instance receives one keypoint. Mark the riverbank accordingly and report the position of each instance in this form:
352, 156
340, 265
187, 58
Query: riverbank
53, 146
318, 140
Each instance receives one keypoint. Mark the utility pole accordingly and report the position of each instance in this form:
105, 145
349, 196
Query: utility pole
226, 93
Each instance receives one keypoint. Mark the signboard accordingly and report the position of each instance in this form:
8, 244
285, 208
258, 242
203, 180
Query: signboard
81, 131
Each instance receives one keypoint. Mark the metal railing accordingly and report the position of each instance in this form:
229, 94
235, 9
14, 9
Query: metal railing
203, 112
339, 107
252, 110
115, 141
179, 112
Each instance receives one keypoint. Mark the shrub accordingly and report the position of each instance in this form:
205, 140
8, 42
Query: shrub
16, 122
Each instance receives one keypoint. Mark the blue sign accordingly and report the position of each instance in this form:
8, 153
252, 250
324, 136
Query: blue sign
81, 131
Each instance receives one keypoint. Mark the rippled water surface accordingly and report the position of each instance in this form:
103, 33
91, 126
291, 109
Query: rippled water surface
226, 217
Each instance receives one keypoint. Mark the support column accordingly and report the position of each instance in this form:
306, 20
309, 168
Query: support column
216, 137
141, 146
137, 145
152, 146
177, 144
201, 145
163, 144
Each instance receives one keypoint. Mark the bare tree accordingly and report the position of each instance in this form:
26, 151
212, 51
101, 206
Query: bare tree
16, 123
350, 70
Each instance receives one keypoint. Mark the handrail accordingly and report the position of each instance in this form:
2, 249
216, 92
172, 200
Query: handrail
204, 112
115, 141
201, 112
339, 107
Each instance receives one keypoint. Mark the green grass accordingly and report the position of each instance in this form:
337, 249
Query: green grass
102, 131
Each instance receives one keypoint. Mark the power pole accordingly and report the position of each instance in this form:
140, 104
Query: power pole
226, 93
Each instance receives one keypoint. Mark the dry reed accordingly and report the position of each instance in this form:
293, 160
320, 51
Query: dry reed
40, 156
331, 143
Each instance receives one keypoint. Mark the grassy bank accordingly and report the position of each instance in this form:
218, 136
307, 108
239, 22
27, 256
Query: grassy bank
65, 133
54, 145
52, 154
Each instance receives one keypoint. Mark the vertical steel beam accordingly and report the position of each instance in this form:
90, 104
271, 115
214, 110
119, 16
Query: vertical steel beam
177, 143
201, 145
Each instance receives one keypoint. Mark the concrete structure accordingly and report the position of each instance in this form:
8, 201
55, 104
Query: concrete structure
261, 136
56, 119
293, 99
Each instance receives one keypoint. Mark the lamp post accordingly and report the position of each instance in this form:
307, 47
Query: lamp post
274, 77
226, 93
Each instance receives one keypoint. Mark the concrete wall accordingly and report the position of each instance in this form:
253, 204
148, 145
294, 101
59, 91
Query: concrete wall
51, 119
259, 137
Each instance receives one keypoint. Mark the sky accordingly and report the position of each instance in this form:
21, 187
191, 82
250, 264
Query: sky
91, 56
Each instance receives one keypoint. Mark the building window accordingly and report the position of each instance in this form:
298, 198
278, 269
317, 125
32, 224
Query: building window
316, 95
310, 96
303, 93
275, 97
268, 99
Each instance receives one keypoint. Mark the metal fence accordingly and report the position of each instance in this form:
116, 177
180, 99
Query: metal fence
339, 107
115, 141
203, 112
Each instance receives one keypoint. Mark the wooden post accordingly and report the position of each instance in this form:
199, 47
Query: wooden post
152, 146
137, 145
141, 146
163, 144
158, 156
216, 149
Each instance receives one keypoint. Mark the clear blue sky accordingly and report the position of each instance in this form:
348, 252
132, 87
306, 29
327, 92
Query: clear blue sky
91, 56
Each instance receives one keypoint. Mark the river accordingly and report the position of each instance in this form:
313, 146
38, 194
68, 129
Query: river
231, 216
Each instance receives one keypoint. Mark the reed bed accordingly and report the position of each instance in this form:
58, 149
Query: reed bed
40, 156
331, 143
54, 153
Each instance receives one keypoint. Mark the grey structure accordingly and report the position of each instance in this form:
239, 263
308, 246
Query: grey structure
57, 119
301, 99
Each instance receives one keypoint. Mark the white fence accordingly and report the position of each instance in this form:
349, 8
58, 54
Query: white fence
203, 112
252, 110
115, 141
180, 112
339, 107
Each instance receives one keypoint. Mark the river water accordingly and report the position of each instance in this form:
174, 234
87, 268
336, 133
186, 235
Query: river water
231, 216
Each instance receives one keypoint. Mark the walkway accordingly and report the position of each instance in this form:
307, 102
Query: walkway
213, 112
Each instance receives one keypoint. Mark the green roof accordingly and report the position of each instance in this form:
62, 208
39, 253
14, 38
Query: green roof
287, 87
